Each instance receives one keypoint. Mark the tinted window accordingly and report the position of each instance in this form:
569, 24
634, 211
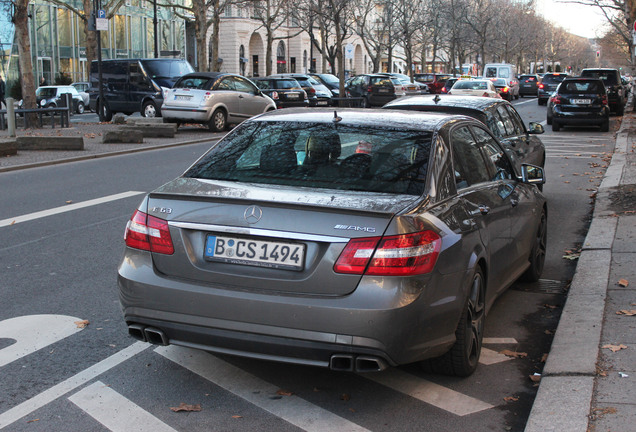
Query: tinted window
580, 87
468, 162
287, 84
243, 86
498, 163
263, 84
509, 126
609, 77
552, 79
201, 83
46, 92
167, 68
320, 155
225, 84
380, 81
516, 120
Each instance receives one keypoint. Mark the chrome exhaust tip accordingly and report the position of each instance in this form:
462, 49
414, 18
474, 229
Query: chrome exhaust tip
137, 332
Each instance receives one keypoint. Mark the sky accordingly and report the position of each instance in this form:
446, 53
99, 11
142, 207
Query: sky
580, 20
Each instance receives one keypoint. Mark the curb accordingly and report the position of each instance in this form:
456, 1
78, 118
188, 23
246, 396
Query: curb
106, 154
565, 394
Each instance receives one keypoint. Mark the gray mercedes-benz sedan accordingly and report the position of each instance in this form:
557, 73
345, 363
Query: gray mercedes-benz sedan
349, 239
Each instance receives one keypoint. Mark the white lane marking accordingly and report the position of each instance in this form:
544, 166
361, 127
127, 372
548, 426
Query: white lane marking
59, 390
292, 409
499, 340
34, 332
67, 208
489, 357
525, 102
116, 412
430, 393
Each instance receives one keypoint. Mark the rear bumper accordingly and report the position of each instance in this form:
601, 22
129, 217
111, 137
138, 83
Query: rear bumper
186, 114
396, 321
581, 118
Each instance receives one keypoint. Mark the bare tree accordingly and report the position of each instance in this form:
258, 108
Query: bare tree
20, 19
372, 29
408, 22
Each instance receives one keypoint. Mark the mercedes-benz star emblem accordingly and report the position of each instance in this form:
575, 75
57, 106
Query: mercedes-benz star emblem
253, 214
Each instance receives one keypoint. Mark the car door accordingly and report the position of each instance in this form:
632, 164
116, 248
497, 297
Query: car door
251, 102
516, 200
225, 91
487, 207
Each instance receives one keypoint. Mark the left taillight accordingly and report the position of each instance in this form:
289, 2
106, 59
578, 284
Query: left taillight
400, 255
148, 233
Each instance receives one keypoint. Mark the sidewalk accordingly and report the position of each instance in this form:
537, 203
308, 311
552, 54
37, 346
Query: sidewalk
589, 380
93, 147
583, 386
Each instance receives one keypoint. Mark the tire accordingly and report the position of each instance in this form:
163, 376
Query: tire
463, 357
548, 120
555, 126
80, 108
106, 112
537, 254
149, 109
541, 101
218, 121
605, 126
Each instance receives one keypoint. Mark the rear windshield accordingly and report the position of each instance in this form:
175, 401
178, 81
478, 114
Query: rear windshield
201, 83
381, 81
608, 77
278, 84
551, 79
46, 92
320, 155
528, 78
471, 85
580, 87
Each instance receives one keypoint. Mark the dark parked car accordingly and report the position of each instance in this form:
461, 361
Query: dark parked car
579, 102
317, 93
521, 144
286, 92
528, 85
548, 85
135, 85
503, 89
434, 81
611, 78
328, 80
373, 89
353, 240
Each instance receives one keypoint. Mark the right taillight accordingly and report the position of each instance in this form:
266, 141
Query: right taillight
604, 100
274, 95
556, 99
400, 255
148, 233
540, 86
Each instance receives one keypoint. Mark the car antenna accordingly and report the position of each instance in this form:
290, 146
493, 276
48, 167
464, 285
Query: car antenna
437, 99
336, 119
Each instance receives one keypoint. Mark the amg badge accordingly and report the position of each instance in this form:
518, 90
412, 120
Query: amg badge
355, 228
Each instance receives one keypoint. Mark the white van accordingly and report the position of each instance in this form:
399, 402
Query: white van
506, 71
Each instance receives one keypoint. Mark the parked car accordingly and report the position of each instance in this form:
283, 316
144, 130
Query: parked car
373, 89
548, 85
520, 142
434, 81
51, 97
505, 71
528, 85
328, 80
611, 78
317, 93
286, 92
82, 88
474, 87
214, 99
411, 88
135, 85
355, 241
579, 102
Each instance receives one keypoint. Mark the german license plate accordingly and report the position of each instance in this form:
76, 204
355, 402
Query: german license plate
250, 251
292, 95
383, 90
182, 97
321, 102
581, 101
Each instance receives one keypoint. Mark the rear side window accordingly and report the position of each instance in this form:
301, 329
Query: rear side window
263, 84
470, 167
319, 155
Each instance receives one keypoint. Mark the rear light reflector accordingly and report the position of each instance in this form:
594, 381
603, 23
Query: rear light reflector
556, 99
148, 233
540, 86
400, 255
604, 100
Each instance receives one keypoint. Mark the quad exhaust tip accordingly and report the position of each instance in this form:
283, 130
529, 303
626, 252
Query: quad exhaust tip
147, 334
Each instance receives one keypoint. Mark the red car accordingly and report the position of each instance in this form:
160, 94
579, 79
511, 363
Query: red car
434, 81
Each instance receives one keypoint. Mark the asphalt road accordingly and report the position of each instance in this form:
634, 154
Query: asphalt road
61, 238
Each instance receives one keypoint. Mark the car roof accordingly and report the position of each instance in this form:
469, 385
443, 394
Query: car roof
394, 119
207, 74
472, 102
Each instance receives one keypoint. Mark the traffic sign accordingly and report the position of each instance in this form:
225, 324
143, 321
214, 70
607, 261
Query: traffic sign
349, 51
101, 24
101, 13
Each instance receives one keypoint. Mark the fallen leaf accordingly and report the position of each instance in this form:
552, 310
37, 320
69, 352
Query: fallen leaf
535, 377
34, 420
544, 357
549, 332
186, 407
623, 283
626, 312
82, 324
511, 398
550, 306
12, 222
345, 397
237, 416
614, 348
514, 354
282, 392
69, 201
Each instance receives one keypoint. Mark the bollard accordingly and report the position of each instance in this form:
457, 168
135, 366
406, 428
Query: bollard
10, 117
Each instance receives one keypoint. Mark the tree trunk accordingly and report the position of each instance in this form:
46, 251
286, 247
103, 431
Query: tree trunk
200, 33
21, 21
91, 36
214, 40
268, 54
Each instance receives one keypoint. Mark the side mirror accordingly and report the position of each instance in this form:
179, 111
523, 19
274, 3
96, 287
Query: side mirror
532, 174
536, 128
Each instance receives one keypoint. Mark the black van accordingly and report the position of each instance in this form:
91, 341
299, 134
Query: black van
131, 85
